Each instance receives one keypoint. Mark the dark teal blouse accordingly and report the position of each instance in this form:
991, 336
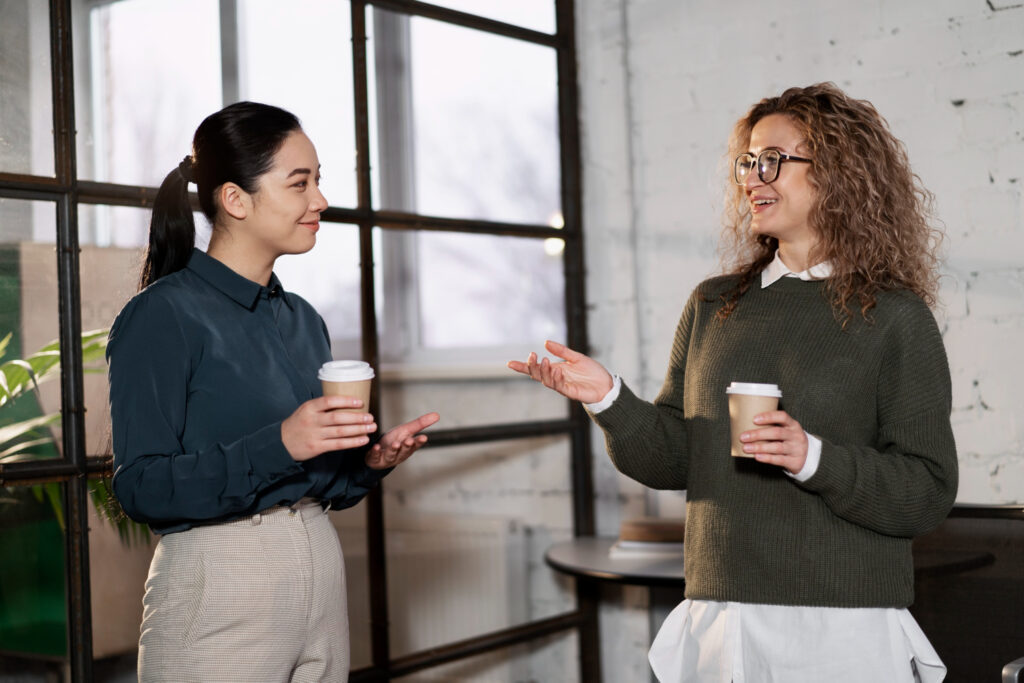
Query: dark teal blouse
204, 365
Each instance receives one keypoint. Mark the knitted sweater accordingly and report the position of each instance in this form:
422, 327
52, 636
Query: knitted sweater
878, 396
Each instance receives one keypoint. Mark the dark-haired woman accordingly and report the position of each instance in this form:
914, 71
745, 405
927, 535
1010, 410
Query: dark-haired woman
223, 442
798, 561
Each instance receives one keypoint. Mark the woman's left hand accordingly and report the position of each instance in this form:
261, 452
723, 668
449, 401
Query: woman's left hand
784, 444
399, 443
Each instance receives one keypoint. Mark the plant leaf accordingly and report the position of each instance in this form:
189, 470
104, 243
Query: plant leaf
13, 431
22, 447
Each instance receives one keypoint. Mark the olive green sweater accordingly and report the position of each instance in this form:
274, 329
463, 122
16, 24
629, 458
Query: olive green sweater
877, 395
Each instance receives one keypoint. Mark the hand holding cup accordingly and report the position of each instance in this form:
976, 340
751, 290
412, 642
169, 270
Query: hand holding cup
327, 423
753, 410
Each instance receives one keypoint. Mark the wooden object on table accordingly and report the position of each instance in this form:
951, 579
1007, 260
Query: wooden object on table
652, 530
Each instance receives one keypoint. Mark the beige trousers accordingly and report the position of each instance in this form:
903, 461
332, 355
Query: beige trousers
257, 600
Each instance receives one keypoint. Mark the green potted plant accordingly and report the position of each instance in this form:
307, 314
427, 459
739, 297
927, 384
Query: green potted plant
32, 617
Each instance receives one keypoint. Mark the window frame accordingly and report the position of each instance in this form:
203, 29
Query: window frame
68, 192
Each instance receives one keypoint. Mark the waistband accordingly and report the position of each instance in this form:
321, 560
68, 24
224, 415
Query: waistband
305, 509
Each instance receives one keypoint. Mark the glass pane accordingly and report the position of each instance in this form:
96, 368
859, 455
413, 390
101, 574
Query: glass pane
328, 278
33, 615
28, 322
484, 290
351, 527
26, 104
113, 240
467, 529
554, 658
149, 74
116, 605
485, 126
314, 82
536, 14
465, 397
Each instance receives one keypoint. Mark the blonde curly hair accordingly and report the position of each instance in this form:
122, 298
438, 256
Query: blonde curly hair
870, 212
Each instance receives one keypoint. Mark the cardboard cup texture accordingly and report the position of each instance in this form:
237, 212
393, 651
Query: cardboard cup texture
745, 401
347, 378
359, 389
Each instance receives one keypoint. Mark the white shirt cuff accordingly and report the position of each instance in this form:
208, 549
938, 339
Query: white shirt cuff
813, 459
608, 399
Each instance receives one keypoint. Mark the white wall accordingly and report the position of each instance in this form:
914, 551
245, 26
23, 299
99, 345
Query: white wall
662, 82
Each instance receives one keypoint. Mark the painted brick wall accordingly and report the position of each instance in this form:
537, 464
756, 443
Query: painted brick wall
662, 82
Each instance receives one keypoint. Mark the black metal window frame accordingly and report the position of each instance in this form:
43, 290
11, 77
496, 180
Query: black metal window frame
67, 192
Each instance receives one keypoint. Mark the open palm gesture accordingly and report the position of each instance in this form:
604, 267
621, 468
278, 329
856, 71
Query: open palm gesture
576, 376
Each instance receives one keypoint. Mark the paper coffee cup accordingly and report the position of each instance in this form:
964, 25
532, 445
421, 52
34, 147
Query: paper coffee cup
347, 378
745, 401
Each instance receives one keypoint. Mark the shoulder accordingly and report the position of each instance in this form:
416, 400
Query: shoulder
903, 310
714, 288
156, 310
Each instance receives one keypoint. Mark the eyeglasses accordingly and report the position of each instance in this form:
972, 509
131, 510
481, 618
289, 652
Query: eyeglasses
767, 162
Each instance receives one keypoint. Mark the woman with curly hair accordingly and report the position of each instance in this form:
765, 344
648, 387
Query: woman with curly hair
798, 559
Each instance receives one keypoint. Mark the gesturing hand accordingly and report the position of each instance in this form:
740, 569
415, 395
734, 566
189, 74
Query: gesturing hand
316, 427
399, 443
784, 445
578, 377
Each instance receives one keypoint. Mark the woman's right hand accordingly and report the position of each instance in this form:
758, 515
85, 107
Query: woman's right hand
316, 427
576, 376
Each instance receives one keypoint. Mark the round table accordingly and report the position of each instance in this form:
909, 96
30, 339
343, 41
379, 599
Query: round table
588, 557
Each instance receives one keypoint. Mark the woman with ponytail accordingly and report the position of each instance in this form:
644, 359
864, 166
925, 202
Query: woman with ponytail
223, 443
798, 556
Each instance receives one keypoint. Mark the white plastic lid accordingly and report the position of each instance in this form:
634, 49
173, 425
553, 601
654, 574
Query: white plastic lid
754, 389
345, 371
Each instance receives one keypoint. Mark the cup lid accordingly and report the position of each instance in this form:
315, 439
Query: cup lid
754, 389
345, 371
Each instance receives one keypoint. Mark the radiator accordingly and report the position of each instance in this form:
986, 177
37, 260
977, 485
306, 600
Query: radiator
449, 578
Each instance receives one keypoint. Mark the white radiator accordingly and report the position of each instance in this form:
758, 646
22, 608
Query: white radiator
449, 578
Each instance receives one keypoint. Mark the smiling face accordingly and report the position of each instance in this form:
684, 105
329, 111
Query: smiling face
284, 213
782, 208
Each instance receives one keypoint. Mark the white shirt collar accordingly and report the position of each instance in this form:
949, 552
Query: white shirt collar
777, 270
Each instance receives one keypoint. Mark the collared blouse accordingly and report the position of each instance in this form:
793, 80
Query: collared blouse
204, 366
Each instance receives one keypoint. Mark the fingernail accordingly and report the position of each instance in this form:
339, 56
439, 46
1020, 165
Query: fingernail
744, 437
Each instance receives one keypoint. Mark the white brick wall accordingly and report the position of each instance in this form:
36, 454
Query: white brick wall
662, 82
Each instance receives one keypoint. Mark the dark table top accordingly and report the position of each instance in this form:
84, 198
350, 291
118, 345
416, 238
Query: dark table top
589, 557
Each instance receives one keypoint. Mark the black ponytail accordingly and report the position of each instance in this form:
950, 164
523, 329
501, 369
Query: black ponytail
236, 144
172, 230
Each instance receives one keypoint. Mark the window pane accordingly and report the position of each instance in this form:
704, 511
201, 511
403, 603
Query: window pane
113, 240
28, 314
33, 615
26, 104
553, 658
484, 290
536, 14
298, 55
466, 396
351, 527
467, 529
485, 125
116, 605
328, 278
151, 76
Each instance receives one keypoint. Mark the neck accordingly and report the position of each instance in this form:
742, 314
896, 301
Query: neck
242, 260
796, 256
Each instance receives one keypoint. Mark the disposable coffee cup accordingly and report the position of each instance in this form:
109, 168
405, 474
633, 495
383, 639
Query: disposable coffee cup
745, 401
347, 378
